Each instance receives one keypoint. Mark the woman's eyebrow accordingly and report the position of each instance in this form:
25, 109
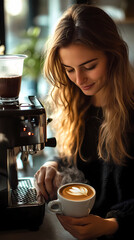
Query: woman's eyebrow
91, 60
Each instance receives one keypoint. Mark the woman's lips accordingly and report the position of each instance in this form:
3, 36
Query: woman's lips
87, 87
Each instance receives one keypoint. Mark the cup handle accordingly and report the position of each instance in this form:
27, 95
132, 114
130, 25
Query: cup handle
55, 206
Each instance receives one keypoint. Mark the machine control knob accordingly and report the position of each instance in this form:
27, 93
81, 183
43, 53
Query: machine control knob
51, 142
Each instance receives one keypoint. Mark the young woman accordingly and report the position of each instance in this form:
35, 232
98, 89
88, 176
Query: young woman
87, 64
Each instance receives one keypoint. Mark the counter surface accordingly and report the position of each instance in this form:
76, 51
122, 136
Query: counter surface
51, 229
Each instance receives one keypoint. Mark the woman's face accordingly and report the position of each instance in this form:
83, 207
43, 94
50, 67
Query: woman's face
87, 68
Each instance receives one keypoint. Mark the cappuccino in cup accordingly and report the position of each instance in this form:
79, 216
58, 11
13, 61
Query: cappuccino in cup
74, 199
76, 192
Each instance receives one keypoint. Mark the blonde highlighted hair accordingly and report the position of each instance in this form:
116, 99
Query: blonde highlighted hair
91, 26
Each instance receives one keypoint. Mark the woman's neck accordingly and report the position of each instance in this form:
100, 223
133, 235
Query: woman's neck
98, 100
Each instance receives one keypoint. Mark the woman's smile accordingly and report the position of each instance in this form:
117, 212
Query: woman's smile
87, 87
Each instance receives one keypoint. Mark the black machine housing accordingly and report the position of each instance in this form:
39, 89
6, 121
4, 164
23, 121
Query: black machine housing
22, 129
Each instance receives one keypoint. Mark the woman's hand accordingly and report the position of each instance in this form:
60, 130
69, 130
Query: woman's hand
47, 180
90, 227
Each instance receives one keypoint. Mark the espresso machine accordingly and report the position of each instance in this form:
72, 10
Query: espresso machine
22, 129
23, 125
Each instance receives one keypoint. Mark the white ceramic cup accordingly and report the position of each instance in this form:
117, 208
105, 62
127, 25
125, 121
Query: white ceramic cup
77, 205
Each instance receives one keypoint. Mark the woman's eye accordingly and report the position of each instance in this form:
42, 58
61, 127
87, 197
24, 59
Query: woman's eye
90, 68
69, 70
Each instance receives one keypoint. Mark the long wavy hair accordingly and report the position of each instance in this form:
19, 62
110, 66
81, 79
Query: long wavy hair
91, 26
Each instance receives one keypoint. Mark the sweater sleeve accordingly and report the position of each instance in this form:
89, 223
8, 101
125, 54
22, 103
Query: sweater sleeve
124, 210
124, 214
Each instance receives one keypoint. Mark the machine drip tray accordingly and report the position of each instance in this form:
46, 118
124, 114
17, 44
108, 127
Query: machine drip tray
25, 210
25, 194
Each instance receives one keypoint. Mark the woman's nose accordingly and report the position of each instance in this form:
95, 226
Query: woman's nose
80, 78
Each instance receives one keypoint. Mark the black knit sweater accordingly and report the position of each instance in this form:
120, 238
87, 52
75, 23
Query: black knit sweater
114, 184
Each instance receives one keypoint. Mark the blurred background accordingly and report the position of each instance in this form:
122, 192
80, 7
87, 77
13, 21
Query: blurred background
25, 26
29, 23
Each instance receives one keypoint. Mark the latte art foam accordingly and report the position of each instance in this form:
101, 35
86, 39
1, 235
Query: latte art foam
76, 192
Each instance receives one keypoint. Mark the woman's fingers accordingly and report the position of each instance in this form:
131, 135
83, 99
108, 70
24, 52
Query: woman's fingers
40, 183
47, 178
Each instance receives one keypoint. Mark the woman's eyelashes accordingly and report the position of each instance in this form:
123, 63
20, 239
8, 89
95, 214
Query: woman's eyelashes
83, 68
91, 68
69, 70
